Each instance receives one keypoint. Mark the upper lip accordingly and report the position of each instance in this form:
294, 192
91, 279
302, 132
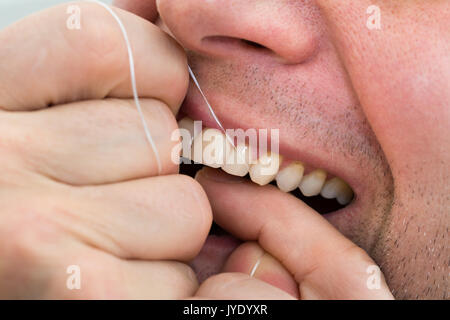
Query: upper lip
195, 108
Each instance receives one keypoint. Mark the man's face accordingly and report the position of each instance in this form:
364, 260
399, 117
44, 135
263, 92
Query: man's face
370, 106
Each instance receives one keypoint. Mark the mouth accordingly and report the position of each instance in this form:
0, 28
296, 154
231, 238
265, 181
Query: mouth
204, 144
210, 147
241, 152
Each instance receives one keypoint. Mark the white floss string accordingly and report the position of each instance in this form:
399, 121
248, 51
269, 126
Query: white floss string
209, 106
133, 82
252, 273
135, 94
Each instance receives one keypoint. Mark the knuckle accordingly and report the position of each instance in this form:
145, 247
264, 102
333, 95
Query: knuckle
102, 37
105, 46
101, 45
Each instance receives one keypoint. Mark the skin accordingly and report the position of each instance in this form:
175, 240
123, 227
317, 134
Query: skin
69, 198
334, 89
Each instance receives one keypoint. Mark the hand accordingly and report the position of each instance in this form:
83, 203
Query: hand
79, 183
300, 254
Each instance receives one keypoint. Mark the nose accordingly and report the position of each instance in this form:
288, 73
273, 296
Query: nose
237, 28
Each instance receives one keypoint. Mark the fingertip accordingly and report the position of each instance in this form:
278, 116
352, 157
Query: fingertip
244, 258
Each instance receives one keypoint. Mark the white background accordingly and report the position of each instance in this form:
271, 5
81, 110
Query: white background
13, 10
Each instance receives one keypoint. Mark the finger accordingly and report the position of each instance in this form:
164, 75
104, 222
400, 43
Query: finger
35, 266
161, 218
157, 218
106, 277
145, 9
159, 280
52, 62
251, 259
93, 142
322, 260
239, 286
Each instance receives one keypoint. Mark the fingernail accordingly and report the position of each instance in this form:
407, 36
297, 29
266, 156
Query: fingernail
217, 175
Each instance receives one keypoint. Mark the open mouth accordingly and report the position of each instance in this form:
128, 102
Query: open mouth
203, 146
311, 185
318, 203
209, 148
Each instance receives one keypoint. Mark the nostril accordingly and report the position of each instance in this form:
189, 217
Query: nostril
253, 44
223, 45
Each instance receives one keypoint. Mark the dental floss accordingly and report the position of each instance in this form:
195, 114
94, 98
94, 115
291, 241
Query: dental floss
209, 106
139, 108
133, 83
252, 273
136, 97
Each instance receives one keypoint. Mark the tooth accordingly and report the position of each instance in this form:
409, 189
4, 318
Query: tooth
337, 188
189, 125
208, 148
290, 177
331, 188
312, 183
345, 195
265, 169
237, 160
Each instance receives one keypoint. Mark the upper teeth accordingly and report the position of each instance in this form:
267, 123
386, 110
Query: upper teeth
209, 148
212, 149
265, 169
237, 160
336, 188
313, 182
289, 178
